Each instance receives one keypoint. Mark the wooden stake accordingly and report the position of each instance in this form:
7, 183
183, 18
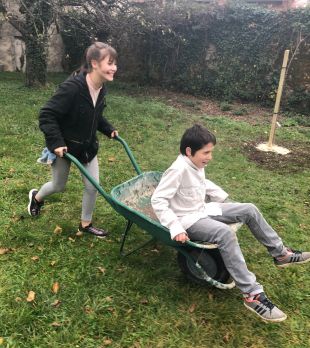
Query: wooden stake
278, 99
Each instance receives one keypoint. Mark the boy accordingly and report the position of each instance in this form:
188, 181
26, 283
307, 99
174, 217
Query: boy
179, 203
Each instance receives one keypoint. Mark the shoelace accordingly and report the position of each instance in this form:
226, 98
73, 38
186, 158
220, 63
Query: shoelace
266, 302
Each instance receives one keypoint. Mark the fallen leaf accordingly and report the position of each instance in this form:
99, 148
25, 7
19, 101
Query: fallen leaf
129, 311
40, 248
18, 299
88, 310
107, 342
192, 307
56, 303
101, 269
57, 230
109, 299
1, 340
79, 234
35, 258
53, 263
55, 287
111, 159
144, 301
71, 239
5, 250
55, 324
31, 296
226, 338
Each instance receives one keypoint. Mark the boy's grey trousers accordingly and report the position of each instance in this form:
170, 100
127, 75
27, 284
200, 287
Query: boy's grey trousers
60, 173
214, 229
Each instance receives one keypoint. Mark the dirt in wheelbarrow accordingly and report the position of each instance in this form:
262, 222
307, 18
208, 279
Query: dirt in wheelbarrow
296, 161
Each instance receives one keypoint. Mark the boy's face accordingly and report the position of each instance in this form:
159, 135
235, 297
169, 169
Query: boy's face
202, 156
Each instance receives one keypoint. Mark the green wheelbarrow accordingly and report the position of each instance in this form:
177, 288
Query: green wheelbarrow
200, 262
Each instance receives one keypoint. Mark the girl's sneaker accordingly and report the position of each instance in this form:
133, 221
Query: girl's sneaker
34, 207
292, 257
98, 232
264, 308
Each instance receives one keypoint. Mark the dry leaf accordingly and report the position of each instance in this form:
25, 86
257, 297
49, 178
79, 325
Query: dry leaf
35, 258
5, 250
53, 263
192, 307
107, 342
144, 301
226, 338
31, 296
56, 324
111, 159
40, 248
79, 234
55, 287
1, 340
18, 299
129, 311
71, 239
87, 309
101, 269
109, 299
57, 230
56, 303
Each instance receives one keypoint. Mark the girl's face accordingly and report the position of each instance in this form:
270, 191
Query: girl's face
105, 69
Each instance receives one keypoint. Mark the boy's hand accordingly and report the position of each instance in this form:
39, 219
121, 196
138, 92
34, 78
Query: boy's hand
182, 237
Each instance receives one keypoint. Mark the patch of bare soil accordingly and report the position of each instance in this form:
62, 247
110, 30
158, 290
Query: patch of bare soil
297, 160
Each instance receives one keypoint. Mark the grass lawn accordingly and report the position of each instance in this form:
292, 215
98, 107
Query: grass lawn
143, 300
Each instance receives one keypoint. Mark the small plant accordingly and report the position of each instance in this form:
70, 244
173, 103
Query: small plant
240, 112
225, 106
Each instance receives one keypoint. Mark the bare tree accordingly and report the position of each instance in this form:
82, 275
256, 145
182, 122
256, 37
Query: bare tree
33, 21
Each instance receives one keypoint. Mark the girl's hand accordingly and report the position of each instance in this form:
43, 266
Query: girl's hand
60, 151
114, 134
182, 237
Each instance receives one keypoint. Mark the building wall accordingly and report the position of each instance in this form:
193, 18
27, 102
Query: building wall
12, 48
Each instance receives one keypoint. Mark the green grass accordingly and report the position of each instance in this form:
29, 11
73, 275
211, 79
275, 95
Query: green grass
142, 300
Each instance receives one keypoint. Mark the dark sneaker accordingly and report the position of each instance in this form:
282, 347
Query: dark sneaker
264, 308
98, 232
34, 207
291, 258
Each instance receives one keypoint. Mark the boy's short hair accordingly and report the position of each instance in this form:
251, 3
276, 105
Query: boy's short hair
196, 138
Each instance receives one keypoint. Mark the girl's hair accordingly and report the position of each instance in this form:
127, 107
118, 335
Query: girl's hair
97, 51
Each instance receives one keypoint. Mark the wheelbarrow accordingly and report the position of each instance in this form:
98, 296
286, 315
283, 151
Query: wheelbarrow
200, 262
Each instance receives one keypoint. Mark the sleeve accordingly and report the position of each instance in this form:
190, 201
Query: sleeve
52, 113
165, 191
215, 193
104, 126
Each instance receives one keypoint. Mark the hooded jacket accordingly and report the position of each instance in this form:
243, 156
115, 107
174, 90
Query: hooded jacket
70, 119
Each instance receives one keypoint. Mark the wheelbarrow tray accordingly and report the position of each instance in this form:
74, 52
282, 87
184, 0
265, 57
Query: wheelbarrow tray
132, 200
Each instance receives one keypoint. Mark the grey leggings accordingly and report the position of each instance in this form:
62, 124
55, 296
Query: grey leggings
60, 173
214, 229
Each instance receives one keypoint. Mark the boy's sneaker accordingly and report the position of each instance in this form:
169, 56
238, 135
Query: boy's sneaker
264, 308
34, 207
98, 232
292, 257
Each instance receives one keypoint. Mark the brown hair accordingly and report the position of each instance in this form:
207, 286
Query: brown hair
97, 51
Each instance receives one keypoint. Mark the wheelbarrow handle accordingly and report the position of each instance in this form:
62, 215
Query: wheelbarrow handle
129, 153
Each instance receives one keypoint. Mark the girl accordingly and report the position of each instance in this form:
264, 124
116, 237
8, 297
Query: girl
69, 121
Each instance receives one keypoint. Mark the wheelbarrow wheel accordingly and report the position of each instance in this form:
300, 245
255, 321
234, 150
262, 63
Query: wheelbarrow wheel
210, 260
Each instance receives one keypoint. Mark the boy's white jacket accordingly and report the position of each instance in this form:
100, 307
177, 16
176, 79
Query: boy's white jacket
179, 199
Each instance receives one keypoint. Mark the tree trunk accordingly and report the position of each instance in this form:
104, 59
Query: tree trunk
36, 60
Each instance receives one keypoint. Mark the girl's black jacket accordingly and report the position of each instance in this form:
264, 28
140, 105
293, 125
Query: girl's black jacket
70, 119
